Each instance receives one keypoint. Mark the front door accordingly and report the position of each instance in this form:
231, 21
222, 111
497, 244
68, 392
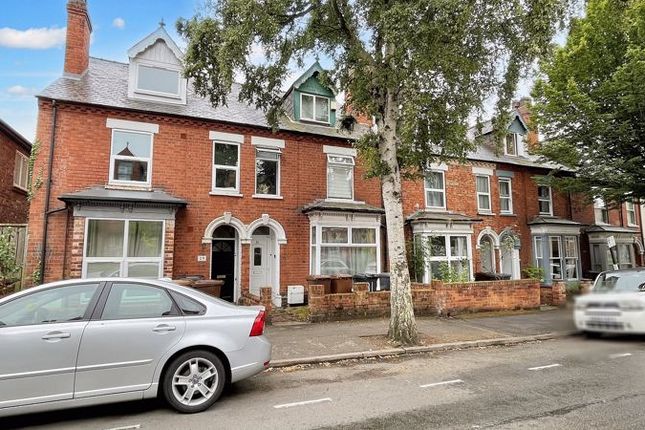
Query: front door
223, 266
260, 264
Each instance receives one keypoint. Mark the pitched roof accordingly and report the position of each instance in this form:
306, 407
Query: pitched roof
106, 84
333, 206
151, 39
311, 71
15, 136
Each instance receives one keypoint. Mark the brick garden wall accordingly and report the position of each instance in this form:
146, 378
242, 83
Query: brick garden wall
429, 299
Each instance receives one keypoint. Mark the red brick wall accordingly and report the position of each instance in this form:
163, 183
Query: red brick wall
14, 206
435, 299
77, 41
182, 167
461, 197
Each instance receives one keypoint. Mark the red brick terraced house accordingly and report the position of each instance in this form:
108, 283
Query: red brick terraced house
147, 179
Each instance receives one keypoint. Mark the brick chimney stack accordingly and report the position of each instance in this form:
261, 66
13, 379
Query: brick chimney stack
523, 107
77, 42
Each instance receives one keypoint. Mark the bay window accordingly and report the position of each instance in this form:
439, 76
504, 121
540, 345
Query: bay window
555, 257
539, 253
123, 248
340, 177
130, 157
447, 256
571, 257
267, 172
314, 108
435, 190
344, 250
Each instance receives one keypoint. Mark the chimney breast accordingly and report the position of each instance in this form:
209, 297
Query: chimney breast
77, 42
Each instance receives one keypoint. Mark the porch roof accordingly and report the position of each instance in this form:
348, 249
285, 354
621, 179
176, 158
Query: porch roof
552, 220
112, 196
453, 217
337, 206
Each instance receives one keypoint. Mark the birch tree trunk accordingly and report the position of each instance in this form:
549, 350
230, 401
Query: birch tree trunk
403, 327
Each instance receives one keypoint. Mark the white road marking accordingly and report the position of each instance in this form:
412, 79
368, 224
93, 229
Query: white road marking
545, 367
627, 354
132, 427
436, 384
306, 402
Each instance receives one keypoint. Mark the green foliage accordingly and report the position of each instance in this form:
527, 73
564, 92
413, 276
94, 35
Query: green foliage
533, 272
590, 102
37, 182
449, 275
417, 252
573, 288
10, 270
429, 63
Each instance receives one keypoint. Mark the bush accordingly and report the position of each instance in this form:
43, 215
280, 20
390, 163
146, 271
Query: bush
533, 272
10, 270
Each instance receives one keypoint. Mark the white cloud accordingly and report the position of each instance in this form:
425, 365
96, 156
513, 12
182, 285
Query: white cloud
118, 23
19, 90
32, 38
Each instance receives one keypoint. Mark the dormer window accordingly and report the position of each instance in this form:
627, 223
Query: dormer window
512, 144
158, 81
314, 108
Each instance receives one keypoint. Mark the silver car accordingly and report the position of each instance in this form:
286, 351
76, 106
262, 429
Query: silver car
91, 341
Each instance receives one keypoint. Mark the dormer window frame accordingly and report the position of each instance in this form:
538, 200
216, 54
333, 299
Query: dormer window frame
154, 65
517, 140
313, 119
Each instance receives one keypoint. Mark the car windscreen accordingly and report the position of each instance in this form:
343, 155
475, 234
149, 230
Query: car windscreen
625, 282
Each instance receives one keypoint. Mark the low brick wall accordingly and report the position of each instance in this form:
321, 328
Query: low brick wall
553, 295
248, 299
429, 299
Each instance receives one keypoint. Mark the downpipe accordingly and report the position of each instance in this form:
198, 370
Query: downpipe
48, 189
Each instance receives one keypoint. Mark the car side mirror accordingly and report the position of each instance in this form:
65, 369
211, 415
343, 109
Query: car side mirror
641, 288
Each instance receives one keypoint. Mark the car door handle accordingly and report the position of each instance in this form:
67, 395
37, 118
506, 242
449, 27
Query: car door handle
163, 328
54, 335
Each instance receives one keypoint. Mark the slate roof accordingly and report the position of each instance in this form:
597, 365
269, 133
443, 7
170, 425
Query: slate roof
15, 136
610, 229
107, 195
106, 84
551, 220
333, 206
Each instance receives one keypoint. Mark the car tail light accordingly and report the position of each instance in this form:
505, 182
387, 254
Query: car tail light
258, 325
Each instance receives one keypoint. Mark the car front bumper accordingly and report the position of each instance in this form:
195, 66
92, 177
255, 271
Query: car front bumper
616, 321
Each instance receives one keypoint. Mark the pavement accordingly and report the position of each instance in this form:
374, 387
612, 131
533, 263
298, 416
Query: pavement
302, 343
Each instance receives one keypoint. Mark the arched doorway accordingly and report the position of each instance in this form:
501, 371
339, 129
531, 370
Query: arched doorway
487, 254
224, 260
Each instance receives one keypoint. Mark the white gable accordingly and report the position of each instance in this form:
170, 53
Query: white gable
159, 52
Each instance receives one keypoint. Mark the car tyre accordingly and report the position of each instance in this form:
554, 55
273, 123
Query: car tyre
194, 381
592, 334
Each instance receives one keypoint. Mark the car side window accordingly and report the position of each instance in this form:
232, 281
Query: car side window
187, 305
129, 300
54, 305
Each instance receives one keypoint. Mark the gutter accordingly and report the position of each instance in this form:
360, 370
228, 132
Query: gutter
48, 189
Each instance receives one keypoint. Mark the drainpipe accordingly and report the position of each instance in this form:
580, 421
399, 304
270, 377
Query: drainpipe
48, 189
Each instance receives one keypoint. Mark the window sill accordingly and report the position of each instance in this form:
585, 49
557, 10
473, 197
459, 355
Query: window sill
129, 187
545, 214
336, 200
20, 190
485, 213
225, 193
632, 225
267, 196
435, 209
507, 214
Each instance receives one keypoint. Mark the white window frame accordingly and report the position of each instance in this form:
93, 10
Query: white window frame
509, 181
314, 96
631, 214
566, 257
436, 190
488, 194
124, 259
448, 258
278, 173
139, 90
600, 210
352, 163
542, 199
558, 259
21, 171
516, 138
538, 251
225, 191
113, 157
316, 243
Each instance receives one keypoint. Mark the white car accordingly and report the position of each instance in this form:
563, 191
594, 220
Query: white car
90, 341
616, 304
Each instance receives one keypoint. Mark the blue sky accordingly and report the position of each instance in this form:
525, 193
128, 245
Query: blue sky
32, 38
32, 41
